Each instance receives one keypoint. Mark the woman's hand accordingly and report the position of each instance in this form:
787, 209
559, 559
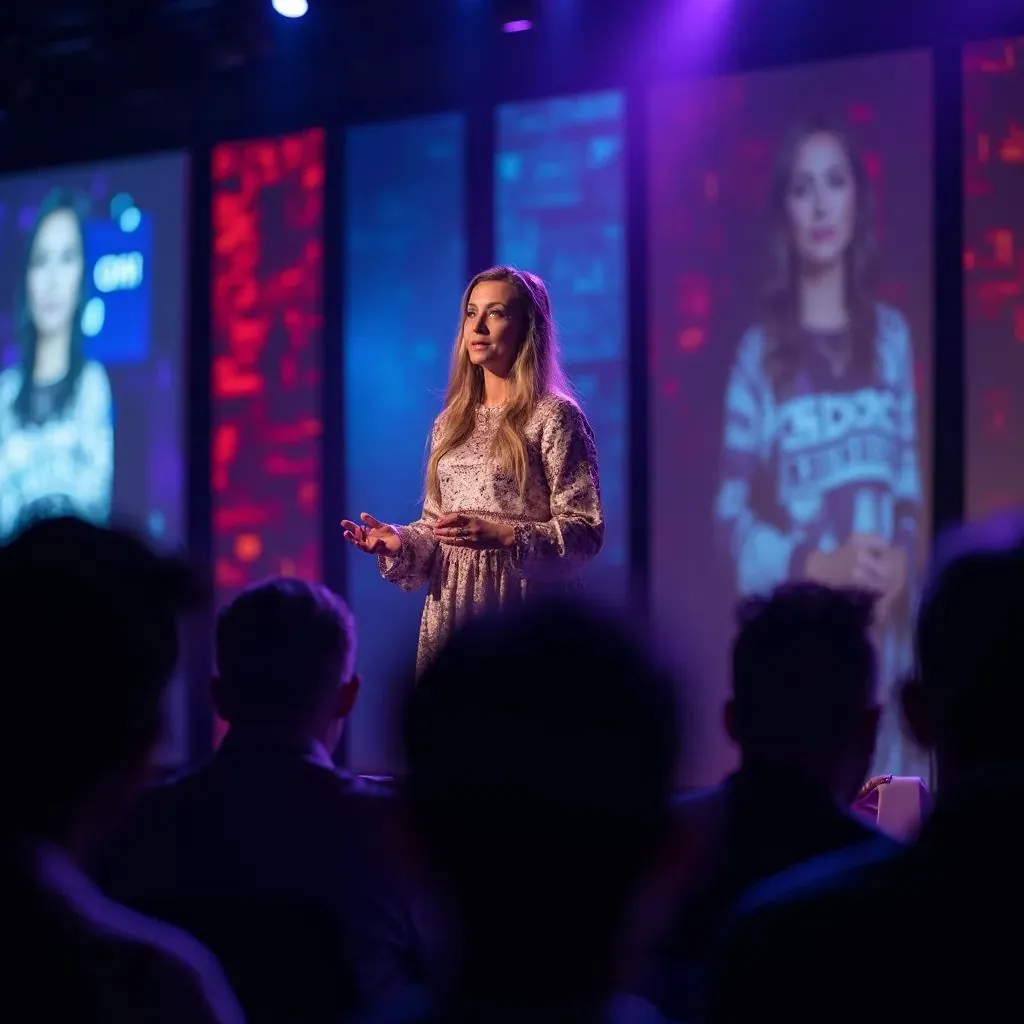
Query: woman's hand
864, 561
373, 537
859, 562
472, 532
896, 571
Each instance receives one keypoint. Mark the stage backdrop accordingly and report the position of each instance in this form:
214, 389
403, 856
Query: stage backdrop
405, 268
91, 287
994, 274
266, 337
749, 470
560, 211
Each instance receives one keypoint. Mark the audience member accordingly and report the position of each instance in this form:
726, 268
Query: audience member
924, 933
269, 853
540, 751
803, 713
90, 640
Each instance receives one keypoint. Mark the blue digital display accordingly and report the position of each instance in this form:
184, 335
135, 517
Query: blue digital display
116, 317
560, 211
405, 269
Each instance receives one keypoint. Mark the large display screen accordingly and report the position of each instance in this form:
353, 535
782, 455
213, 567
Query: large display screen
267, 284
91, 290
91, 367
560, 211
994, 274
405, 269
791, 343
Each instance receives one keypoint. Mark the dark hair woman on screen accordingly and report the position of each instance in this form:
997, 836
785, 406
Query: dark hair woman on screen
56, 417
820, 477
513, 505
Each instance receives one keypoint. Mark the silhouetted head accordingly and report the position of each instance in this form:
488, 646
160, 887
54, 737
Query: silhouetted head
967, 701
803, 684
90, 640
540, 750
286, 652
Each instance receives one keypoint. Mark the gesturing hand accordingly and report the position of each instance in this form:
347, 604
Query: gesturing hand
373, 537
472, 532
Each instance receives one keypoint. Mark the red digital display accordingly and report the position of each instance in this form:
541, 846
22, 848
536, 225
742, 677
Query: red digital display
267, 271
994, 274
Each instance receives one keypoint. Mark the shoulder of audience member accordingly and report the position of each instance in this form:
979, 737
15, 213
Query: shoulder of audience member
180, 974
813, 883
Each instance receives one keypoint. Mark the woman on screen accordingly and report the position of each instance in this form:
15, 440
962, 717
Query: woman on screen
513, 506
820, 456
56, 420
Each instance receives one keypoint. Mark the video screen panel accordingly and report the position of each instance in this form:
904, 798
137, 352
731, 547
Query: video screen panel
266, 336
405, 269
91, 357
790, 354
560, 211
994, 275
91, 318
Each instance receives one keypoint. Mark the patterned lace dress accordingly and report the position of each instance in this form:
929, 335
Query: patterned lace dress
558, 519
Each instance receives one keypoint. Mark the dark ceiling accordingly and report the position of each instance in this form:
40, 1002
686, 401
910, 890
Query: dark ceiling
206, 61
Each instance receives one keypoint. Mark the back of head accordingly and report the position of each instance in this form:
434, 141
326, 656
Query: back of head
90, 639
540, 751
803, 671
284, 647
970, 641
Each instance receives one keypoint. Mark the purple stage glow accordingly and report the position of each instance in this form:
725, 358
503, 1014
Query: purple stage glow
522, 25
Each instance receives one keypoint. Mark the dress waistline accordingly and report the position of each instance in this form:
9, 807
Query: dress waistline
494, 517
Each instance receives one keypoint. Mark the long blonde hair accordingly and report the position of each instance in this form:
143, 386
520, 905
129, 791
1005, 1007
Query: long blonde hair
535, 373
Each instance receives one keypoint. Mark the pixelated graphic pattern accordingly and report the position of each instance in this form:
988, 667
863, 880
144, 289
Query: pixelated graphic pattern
994, 274
266, 369
405, 268
560, 211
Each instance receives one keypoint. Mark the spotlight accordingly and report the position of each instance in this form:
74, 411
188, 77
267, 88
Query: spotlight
291, 8
517, 15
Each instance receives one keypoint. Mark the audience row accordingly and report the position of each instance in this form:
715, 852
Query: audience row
534, 862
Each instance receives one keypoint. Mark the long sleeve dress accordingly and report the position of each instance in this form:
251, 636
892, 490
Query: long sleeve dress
558, 520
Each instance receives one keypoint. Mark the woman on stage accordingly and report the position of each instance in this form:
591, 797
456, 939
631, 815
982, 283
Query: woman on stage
513, 504
821, 475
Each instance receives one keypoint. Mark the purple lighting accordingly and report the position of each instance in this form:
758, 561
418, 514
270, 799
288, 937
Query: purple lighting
522, 25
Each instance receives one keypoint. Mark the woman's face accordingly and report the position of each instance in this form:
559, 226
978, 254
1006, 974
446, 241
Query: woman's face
821, 201
55, 267
493, 327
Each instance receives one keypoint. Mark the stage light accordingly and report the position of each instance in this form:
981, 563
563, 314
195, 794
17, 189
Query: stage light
291, 8
517, 15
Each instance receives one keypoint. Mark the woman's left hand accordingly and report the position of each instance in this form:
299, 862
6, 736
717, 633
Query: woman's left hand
472, 532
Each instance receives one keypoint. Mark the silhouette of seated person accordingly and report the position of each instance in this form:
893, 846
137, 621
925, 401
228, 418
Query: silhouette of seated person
803, 713
88, 620
925, 933
540, 750
273, 856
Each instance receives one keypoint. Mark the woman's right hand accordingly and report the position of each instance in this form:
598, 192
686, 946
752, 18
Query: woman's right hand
859, 562
373, 537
